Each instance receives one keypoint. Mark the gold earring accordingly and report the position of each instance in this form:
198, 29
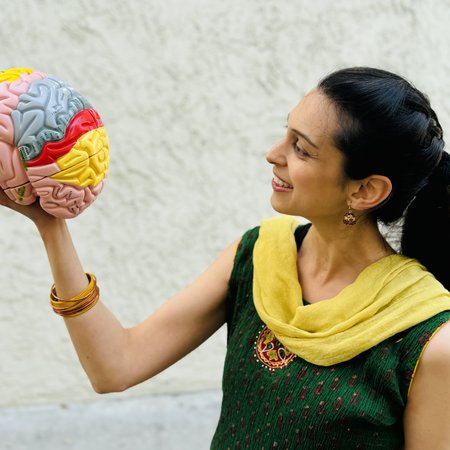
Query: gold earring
349, 217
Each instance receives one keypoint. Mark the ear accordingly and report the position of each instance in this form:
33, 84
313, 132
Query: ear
369, 192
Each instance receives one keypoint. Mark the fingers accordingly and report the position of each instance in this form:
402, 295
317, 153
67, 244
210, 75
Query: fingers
33, 211
5, 200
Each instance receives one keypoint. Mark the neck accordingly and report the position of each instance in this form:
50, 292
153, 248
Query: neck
342, 251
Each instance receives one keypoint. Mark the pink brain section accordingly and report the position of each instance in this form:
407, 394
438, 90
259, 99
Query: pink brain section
64, 200
12, 172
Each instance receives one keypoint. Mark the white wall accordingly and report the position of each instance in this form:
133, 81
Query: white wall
192, 94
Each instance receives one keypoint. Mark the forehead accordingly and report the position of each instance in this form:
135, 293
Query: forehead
315, 115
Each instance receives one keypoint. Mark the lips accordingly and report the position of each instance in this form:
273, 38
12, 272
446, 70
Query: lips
281, 183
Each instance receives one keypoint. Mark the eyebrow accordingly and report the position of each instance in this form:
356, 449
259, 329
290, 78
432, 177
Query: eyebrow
303, 135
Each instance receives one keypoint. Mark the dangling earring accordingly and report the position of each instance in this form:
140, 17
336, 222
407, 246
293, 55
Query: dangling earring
349, 217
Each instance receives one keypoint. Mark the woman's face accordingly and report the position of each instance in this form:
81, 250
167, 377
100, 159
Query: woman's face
308, 169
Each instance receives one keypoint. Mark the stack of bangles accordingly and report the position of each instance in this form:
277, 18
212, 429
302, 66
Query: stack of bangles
79, 304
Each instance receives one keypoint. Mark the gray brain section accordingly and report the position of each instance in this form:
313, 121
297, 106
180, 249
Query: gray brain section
43, 113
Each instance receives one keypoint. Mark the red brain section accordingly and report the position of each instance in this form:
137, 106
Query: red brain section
86, 120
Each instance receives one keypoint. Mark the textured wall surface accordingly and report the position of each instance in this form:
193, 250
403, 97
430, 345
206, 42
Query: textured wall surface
192, 94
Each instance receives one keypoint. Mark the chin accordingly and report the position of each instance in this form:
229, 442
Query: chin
284, 209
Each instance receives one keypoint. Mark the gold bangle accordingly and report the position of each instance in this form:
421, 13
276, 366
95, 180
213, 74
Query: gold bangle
79, 304
89, 288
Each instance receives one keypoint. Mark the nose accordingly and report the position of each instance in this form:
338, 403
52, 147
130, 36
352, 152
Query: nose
276, 155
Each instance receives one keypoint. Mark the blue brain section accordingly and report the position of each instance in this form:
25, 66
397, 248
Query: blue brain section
43, 113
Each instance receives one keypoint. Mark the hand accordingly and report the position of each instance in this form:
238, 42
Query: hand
34, 211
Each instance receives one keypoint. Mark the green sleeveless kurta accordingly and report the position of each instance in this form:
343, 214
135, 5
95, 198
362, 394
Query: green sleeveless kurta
357, 404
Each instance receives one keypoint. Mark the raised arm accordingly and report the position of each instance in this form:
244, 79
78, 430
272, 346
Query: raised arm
115, 357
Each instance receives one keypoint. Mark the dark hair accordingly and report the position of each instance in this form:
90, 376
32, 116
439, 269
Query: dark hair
389, 128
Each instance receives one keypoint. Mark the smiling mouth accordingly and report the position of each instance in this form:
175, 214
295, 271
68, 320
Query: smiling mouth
279, 182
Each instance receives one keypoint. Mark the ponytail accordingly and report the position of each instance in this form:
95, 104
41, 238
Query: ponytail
426, 226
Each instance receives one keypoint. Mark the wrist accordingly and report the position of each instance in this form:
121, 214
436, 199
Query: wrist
48, 226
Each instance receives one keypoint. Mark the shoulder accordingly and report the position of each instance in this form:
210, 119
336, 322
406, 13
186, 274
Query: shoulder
435, 357
436, 354
427, 411
250, 235
246, 244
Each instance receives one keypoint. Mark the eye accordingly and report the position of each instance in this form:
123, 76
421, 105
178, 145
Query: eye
296, 144
298, 149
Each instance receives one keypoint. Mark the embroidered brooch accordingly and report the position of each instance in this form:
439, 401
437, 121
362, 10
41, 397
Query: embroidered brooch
270, 351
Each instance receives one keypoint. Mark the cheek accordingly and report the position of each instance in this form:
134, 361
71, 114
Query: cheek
318, 184
307, 176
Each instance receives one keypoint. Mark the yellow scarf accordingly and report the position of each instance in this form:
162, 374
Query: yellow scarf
389, 296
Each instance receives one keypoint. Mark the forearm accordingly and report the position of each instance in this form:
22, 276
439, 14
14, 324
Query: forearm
98, 337
68, 274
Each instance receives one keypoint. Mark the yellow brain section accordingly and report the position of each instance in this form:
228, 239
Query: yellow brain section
10, 75
87, 162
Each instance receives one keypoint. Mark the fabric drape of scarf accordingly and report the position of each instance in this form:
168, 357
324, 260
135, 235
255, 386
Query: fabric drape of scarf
388, 296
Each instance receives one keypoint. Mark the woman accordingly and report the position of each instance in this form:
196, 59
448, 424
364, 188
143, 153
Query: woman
324, 354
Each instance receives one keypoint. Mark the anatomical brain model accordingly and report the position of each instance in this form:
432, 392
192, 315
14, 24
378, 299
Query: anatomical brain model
53, 145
